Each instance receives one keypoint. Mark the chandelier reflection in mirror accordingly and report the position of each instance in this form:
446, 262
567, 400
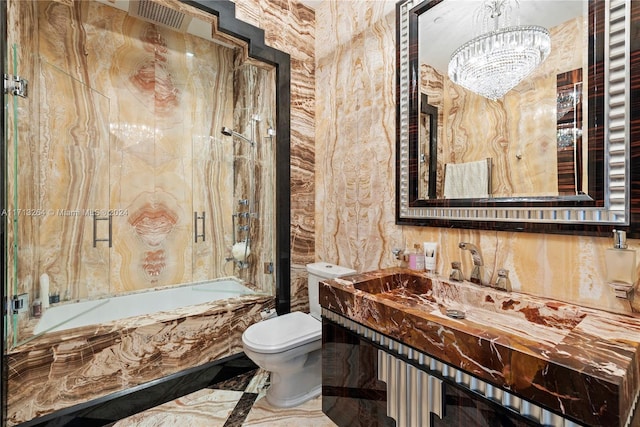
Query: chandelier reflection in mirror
494, 62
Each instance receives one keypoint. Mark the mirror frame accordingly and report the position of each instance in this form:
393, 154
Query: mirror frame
615, 163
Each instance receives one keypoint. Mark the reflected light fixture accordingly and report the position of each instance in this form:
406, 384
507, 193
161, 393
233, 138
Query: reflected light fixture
494, 62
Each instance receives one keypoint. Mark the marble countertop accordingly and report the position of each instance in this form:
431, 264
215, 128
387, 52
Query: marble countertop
580, 362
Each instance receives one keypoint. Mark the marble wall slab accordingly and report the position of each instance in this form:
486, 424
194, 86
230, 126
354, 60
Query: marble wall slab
137, 75
290, 27
254, 169
355, 133
355, 174
22, 158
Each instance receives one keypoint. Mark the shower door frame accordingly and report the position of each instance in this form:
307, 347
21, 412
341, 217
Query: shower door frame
3, 219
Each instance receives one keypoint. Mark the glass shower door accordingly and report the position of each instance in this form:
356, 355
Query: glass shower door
59, 223
56, 195
75, 233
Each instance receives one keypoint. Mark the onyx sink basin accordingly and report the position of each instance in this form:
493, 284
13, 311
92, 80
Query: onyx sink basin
477, 302
399, 283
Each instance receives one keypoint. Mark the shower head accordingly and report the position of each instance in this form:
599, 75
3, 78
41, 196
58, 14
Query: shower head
230, 132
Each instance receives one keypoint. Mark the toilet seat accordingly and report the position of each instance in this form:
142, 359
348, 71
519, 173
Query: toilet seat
282, 333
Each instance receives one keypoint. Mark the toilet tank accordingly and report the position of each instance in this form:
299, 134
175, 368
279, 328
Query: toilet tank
319, 271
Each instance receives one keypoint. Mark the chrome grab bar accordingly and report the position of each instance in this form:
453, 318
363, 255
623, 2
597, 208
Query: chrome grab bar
97, 218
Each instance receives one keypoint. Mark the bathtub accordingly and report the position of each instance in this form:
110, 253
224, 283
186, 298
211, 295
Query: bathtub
109, 346
65, 316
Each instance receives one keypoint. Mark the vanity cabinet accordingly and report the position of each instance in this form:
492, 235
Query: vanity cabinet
513, 356
353, 394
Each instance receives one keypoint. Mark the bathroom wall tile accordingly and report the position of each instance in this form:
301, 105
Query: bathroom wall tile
147, 167
153, 134
355, 134
254, 166
19, 135
129, 164
299, 288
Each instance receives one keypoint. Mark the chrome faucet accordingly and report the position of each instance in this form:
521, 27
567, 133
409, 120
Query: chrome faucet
456, 273
503, 282
476, 273
400, 254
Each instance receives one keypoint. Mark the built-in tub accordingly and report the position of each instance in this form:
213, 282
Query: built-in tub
87, 357
60, 317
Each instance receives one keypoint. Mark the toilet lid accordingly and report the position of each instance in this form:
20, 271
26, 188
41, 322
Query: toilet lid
282, 333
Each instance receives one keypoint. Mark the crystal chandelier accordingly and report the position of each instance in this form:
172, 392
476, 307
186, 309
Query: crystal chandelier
496, 61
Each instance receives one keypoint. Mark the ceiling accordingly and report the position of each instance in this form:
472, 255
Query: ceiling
450, 24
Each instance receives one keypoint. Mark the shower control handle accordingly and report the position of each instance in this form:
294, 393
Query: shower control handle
197, 217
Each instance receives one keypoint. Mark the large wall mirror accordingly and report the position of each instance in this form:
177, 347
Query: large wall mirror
547, 151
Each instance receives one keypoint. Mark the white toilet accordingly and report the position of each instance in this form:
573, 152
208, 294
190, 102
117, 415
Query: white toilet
289, 346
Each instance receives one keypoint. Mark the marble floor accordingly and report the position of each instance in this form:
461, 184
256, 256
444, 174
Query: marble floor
238, 401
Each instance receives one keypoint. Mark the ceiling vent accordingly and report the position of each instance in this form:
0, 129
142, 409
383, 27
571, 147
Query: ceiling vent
158, 14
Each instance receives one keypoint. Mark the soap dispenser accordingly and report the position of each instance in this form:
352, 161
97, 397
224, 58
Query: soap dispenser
416, 258
620, 261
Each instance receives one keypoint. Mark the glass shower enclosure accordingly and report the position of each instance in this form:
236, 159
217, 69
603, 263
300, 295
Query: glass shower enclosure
118, 176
